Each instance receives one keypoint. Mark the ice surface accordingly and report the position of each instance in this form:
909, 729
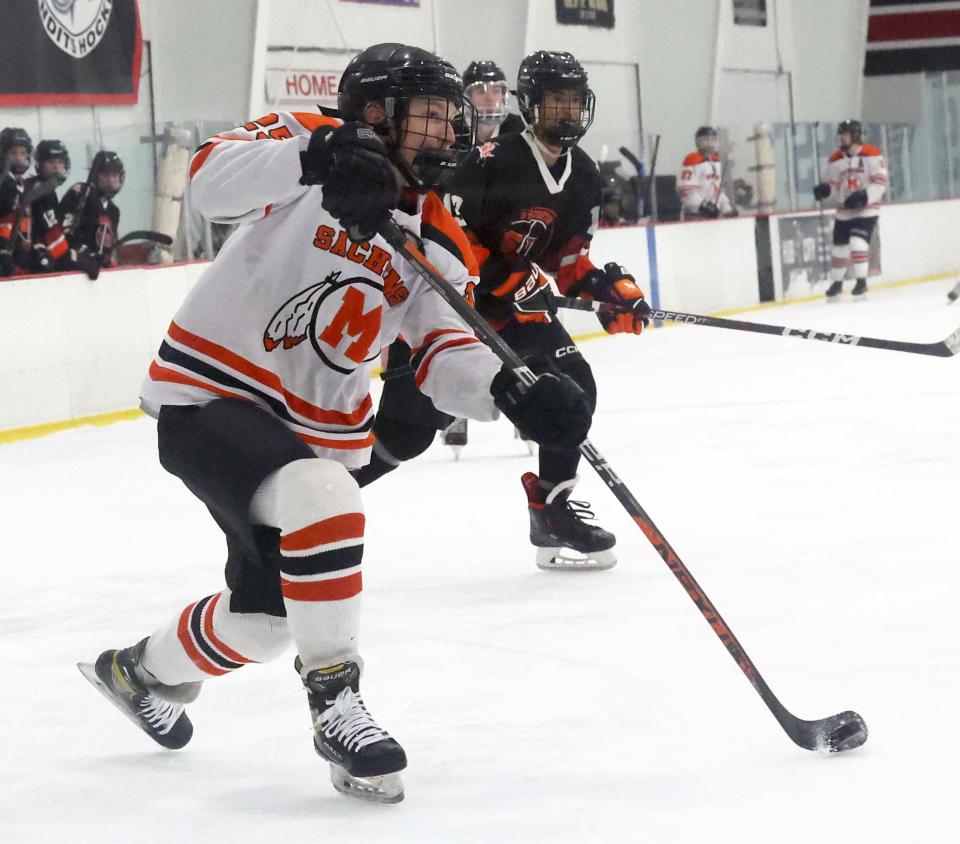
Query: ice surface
812, 490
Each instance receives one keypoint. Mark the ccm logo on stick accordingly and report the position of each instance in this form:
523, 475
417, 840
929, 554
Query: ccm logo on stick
848, 339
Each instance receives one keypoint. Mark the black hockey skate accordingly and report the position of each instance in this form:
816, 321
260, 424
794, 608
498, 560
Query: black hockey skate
363, 758
834, 291
954, 294
455, 436
155, 708
559, 528
859, 291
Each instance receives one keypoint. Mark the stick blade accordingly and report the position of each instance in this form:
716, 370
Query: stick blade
844, 731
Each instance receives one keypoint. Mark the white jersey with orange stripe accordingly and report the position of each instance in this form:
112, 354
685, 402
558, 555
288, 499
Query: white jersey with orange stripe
847, 173
292, 315
700, 181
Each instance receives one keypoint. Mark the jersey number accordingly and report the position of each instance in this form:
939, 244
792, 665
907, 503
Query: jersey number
265, 122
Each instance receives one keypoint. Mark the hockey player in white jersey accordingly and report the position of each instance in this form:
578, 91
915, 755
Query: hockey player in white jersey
700, 186
856, 179
260, 389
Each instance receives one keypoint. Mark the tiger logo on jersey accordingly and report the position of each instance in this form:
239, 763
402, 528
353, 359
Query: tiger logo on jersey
531, 233
486, 150
328, 314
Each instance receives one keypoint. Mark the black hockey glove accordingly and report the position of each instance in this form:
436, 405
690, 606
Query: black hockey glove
90, 263
615, 285
821, 191
6, 262
857, 199
359, 184
553, 412
709, 210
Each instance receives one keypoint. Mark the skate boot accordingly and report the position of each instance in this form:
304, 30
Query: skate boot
559, 528
954, 294
155, 708
363, 758
455, 436
859, 291
834, 291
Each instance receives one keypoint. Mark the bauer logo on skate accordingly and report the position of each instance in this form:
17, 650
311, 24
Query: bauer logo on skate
333, 314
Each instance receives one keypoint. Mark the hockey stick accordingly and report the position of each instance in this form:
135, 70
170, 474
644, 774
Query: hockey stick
843, 731
945, 348
144, 234
821, 223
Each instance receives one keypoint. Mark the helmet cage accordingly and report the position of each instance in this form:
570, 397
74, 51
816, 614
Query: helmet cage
49, 150
854, 128
560, 131
106, 162
432, 161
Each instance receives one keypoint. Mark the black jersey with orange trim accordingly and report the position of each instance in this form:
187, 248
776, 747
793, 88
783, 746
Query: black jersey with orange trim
518, 211
90, 219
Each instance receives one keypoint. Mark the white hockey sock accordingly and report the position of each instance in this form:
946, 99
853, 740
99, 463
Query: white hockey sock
316, 505
207, 640
841, 258
860, 256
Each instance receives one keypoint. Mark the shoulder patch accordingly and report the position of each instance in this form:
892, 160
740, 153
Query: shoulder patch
311, 120
438, 226
870, 149
837, 155
693, 158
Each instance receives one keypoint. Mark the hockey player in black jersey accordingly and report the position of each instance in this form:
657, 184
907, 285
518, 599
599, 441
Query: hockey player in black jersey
48, 240
530, 202
16, 150
90, 217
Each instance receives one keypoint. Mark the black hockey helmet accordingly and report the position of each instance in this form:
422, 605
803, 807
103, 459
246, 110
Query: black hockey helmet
485, 84
548, 70
50, 149
393, 74
483, 70
12, 137
854, 127
106, 161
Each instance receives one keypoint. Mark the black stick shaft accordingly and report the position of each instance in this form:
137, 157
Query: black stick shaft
392, 233
945, 348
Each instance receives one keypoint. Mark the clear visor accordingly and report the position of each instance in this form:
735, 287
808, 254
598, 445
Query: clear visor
491, 100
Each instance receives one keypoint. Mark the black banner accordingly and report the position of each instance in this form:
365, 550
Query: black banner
586, 12
69, 52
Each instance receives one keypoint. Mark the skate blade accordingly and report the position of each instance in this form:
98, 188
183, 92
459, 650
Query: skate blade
88, 670
456, 452
384, 789
832, 300
566, 559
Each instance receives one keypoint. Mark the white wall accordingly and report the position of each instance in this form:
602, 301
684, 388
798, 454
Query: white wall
70, 347
331, 23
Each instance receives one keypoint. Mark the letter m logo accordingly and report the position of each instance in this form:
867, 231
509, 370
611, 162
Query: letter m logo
352, 320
